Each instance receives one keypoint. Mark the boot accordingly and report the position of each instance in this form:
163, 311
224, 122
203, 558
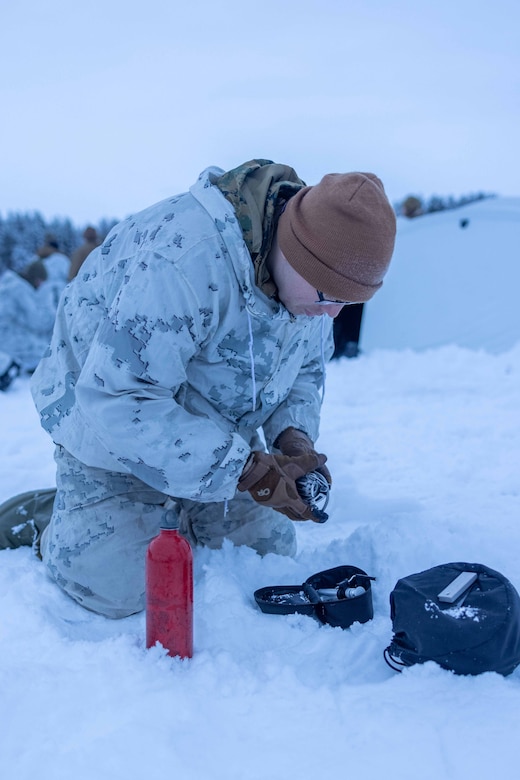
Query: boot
24, 517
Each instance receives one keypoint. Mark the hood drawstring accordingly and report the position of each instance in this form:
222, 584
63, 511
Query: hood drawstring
251, 358
253, 378
322, 356
252, 364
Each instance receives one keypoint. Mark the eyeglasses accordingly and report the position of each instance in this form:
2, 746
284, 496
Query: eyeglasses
322, 301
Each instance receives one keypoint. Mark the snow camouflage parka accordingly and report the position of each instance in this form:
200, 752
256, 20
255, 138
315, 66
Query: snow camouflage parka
166, 357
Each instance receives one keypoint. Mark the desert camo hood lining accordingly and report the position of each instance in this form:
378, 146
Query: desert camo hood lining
258, 190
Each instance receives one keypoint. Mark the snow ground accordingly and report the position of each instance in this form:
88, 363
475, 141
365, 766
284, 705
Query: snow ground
424, 449
449, 283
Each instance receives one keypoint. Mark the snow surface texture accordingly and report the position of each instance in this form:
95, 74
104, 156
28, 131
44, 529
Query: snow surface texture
454, 278
424, 449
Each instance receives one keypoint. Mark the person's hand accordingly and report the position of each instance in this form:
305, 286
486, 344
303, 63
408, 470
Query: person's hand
295, 442
271, 481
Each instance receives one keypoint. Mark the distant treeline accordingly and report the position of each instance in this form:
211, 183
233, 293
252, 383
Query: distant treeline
414, 205
22, 233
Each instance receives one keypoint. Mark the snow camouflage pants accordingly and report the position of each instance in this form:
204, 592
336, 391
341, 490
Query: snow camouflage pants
103, 521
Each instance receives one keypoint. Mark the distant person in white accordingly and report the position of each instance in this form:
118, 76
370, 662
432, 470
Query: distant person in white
26, 319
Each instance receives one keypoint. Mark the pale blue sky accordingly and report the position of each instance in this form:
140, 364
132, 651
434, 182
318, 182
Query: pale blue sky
111, 105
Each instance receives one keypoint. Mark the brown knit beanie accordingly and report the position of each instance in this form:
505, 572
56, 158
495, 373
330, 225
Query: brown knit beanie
339, 235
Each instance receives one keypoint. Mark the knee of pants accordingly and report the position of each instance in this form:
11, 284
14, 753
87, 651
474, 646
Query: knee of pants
244, 523
106, 590
97, 555
266, 535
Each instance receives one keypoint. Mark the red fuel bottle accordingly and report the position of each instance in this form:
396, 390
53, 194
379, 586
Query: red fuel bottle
169, 593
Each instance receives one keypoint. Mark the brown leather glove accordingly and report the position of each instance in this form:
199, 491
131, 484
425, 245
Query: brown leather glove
295, 442
271, 480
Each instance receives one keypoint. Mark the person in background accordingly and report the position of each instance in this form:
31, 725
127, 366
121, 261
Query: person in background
91, 241
26, 322
57, 266
185, 374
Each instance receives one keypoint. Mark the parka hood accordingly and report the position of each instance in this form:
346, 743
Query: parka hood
258, 190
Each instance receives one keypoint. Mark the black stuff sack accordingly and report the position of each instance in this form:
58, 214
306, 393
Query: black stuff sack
463, 616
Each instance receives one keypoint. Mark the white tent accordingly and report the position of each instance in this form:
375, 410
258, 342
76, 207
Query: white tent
454, 279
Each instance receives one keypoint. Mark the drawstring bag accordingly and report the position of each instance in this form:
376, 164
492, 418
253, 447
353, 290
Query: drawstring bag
463, 616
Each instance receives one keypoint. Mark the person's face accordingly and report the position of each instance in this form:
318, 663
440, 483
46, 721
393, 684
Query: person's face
297, 295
